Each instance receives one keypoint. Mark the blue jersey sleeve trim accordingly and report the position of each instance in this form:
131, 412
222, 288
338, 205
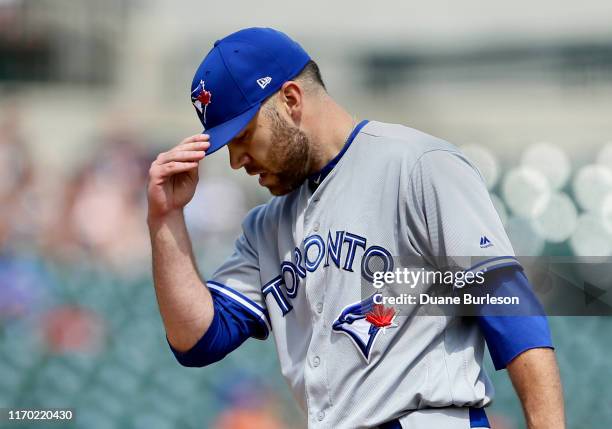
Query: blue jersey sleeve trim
509, 336
232, 324
249, 305
494, 263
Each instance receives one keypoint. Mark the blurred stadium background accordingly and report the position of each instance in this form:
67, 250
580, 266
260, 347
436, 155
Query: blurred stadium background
91, 91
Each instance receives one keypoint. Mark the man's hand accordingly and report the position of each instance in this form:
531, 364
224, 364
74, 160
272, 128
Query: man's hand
535, 377
185, 303
173, 176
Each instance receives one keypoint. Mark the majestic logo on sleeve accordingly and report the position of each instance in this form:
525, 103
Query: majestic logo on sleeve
200, 98
363, 321
485, 242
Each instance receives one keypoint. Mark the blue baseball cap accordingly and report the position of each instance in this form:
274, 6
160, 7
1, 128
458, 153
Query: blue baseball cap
237, 75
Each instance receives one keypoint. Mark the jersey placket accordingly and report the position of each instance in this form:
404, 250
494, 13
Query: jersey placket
315, 373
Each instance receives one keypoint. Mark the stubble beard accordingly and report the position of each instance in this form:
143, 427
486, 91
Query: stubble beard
290, 155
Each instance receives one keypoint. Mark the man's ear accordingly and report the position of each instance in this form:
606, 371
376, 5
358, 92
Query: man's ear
291, 97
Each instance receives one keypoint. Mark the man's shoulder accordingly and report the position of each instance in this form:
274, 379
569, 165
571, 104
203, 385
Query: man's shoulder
400, 140
265, 218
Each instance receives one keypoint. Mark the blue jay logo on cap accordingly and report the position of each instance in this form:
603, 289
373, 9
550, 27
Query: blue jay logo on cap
200, 98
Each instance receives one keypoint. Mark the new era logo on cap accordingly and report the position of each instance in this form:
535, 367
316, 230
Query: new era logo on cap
264, 81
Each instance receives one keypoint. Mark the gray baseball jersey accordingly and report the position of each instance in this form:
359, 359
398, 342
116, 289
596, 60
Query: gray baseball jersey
300, 261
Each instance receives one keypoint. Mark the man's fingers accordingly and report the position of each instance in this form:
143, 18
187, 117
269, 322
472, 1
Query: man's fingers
195, 138
182, 156
199, 145
171, 168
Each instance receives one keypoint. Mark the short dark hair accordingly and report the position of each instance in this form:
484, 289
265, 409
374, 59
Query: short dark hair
311, 74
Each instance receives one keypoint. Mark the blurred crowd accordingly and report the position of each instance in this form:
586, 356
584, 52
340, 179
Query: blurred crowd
93, 213
65, 226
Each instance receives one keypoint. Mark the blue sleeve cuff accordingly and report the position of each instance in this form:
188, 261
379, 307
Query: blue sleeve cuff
509, 336
234, 321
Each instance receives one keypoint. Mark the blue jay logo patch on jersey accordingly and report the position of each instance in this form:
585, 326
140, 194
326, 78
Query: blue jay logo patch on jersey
363, 321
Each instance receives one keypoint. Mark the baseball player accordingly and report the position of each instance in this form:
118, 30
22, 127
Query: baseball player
348, 195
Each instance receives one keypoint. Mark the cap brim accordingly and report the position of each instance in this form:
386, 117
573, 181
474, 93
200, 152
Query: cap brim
223, 133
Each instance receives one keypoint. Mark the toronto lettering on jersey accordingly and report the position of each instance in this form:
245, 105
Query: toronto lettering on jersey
340, 249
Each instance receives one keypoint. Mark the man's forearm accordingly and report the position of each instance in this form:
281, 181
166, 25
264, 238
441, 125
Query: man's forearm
184, 302
535, 376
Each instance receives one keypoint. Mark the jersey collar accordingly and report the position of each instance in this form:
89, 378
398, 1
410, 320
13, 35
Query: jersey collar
315, 179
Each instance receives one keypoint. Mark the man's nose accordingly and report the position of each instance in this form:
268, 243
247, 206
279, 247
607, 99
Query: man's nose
238, 158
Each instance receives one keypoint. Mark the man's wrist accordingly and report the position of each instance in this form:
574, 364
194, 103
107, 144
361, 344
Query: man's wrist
156, 221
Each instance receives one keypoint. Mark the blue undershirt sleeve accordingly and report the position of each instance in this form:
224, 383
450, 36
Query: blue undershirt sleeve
509, 336
232, 324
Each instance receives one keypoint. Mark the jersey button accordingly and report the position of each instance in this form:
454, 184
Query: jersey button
320, 415
316, 361
320, 307
315, 227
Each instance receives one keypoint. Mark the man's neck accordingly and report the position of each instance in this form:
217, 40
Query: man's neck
331, 131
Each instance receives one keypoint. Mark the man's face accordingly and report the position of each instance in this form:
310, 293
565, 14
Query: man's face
273, 148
